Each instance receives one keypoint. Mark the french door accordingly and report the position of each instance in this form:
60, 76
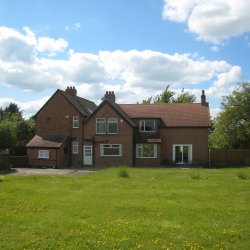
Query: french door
182, 153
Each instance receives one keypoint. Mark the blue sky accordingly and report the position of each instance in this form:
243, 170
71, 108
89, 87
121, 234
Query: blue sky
132, 47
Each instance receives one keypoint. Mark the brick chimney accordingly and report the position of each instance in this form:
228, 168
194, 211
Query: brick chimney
203, 99
110, 95
71, 91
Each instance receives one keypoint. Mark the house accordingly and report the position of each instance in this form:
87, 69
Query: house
147, 134
79, 133
59, 130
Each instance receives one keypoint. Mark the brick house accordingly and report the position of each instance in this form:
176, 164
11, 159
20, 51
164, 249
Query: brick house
126, 134
59, 130
147, 134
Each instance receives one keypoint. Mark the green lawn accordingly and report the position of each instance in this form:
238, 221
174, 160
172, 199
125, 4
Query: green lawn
151, 209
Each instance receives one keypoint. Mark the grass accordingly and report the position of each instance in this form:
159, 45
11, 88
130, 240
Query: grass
152, 209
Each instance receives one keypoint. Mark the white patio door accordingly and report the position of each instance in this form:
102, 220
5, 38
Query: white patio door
182, 153
87, 155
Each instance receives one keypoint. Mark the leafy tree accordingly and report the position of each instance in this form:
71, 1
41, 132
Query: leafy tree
7, 139
184, 97
25, 130
12, 110
232, 125
167, 96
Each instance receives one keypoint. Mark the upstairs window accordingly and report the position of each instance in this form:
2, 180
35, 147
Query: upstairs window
100, 126
43, 154
112, 126
75, 122
75, 147
147, 125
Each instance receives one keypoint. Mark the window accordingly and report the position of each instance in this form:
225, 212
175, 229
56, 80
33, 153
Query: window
75, 122
182, 153
147, 126
110, 150
146, 150
43, 154
75, 147
112, 126
100, 126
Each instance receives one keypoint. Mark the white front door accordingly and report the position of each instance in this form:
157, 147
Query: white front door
87, 155
182, 153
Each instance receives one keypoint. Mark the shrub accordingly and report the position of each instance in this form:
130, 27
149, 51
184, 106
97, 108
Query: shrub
242, 176
122, 172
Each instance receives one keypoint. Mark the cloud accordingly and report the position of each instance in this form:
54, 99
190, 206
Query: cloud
75, 26
29, 108
46, 44
211, 20
134, 75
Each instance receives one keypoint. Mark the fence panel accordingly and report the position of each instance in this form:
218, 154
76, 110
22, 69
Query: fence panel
229, 157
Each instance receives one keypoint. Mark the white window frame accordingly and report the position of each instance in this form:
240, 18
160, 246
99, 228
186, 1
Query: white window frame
190, 155
113, 120
103, 122
75, 147
102, 146
75, 122
43, 154
139, 151
143, 124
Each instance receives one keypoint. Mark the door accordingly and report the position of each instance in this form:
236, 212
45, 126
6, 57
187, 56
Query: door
182, 154
87, 155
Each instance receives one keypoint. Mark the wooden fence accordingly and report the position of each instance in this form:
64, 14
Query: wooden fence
7, 161
229, 157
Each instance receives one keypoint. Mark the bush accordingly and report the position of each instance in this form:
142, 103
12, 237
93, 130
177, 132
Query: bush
122, 172
242, 176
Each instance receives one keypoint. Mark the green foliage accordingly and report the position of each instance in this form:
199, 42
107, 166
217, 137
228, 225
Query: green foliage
156, 209
7, 139
242, 176
167, 96
122, 172
231, 128
14, 129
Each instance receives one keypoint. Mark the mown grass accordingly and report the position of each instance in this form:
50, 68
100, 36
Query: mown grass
152, 209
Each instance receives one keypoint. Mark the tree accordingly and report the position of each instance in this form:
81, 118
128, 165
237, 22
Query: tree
184, 97
167, 96
232, 126
7, 140
12, 110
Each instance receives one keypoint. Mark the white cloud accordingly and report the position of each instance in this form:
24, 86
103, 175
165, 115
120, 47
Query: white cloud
46, 44
75, 26
211, 20
134, 75
28, 108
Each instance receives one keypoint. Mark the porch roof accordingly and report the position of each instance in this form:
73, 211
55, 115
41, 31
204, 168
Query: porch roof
47, 141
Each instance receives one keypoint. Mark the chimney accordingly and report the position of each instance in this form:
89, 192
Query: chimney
203, 99
71, 91
110, 95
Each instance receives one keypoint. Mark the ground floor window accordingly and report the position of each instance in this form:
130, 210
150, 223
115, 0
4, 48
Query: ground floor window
182, 153
110, 150
75, 147
43, 154
147, 150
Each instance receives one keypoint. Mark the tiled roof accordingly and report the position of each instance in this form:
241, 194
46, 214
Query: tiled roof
172, 114
47, 141
84, 106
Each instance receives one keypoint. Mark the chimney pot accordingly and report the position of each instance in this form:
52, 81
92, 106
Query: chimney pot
110, 95
71, 91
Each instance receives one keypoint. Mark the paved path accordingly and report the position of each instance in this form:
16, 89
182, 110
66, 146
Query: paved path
48, 171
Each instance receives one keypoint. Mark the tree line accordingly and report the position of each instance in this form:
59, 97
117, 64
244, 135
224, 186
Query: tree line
15, 131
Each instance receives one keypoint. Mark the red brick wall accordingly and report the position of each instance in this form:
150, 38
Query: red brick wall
124, 137
35, 161
198, 137
56, 117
